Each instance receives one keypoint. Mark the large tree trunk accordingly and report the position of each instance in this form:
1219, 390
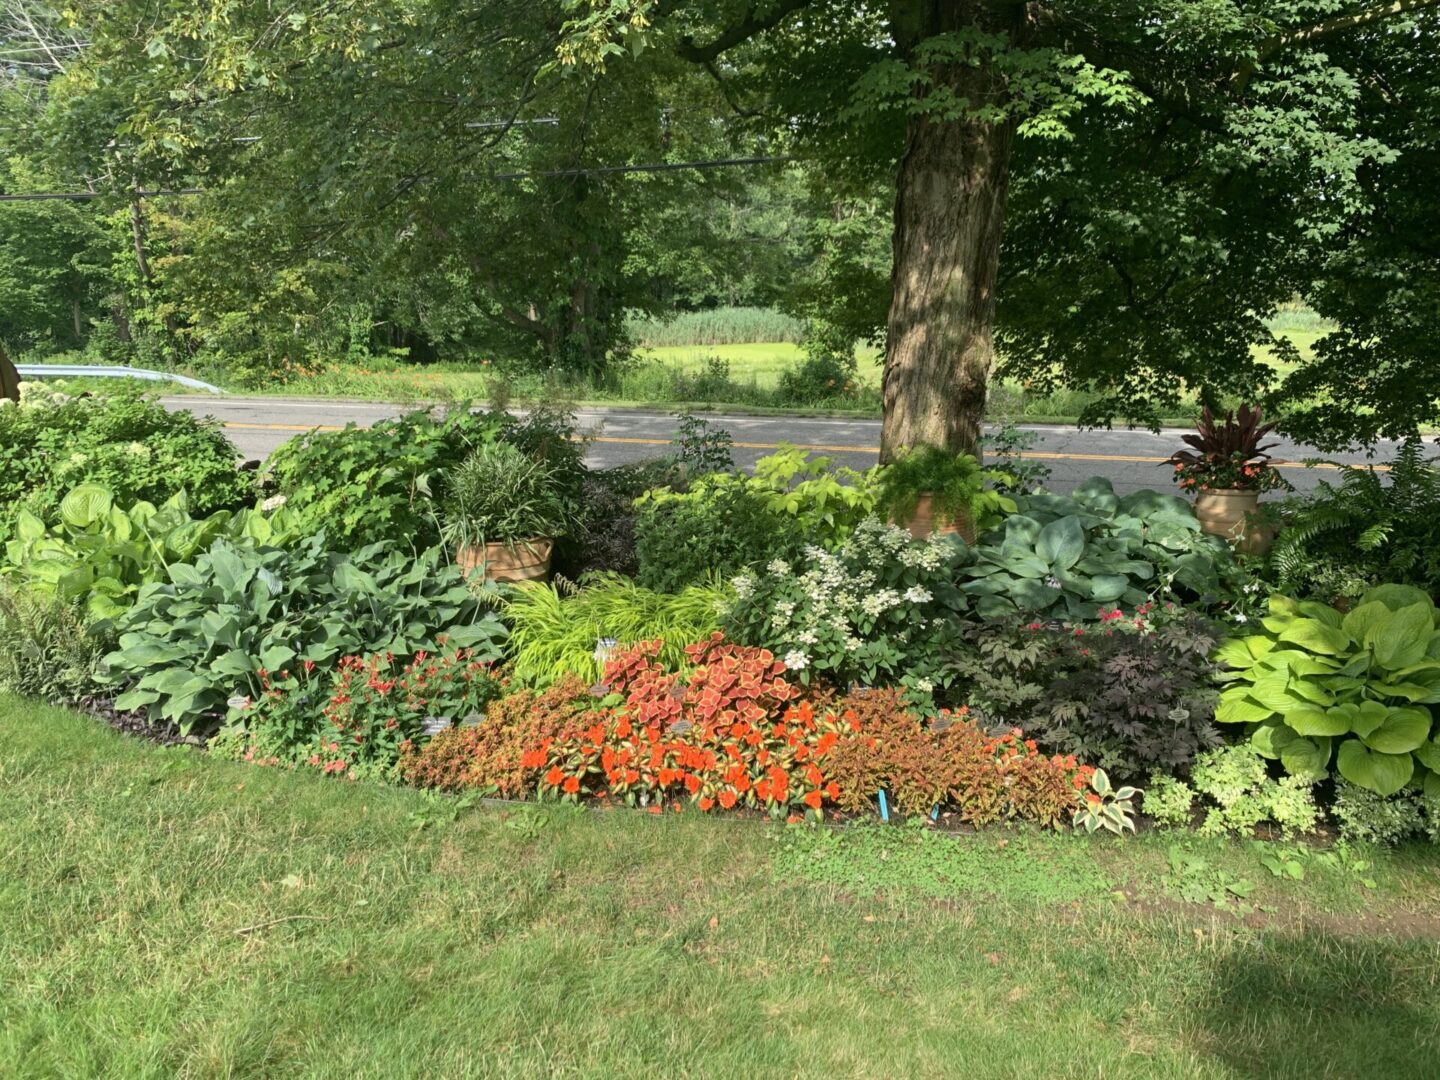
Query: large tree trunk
949, 215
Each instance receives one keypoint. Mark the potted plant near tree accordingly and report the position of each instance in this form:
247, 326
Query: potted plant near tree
502, 512
1227, 468
930, 490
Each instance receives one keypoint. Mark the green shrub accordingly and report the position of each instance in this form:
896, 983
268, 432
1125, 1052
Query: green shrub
716, 532
881, 610
1068, 556
824, 501
99, 556
382, 483
365, 485
128, 443
1342, 539
1367, 817
1318, 685
553, 635
1235, 789
46, 650
190, 645
1130, 695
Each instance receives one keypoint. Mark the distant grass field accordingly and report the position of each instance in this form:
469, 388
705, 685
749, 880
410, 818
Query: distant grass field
163, 914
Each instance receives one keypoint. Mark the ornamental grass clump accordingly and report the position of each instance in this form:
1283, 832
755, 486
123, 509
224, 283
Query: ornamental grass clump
501, 495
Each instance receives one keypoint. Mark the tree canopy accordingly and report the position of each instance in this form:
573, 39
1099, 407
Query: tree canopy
1110, 194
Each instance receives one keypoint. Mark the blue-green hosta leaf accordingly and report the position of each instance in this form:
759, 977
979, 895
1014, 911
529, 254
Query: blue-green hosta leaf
1061, 543
135, 699
1309, 758
1403, 730
1382, 773
276, 657
1027, 564
1107, 588
237, 663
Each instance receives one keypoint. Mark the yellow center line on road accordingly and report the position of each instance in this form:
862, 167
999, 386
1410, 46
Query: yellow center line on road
633, 440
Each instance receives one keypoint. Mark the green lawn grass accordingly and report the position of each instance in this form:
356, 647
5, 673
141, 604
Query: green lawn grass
168, 915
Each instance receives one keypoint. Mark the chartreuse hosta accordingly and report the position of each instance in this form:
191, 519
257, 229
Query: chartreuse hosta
1355, 689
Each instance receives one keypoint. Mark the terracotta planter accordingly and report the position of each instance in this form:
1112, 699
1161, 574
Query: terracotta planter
922, 523
529, 560
1223, 512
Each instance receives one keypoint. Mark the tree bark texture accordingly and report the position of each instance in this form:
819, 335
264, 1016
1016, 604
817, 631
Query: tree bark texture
949, 216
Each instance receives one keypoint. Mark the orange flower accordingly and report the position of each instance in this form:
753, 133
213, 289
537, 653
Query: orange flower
727, 799
554, 776
813, 799
571, 785
706, 803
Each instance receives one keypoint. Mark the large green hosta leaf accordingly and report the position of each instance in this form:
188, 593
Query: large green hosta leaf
1382, 773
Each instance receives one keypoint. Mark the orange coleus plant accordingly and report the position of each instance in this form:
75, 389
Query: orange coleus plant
726, 733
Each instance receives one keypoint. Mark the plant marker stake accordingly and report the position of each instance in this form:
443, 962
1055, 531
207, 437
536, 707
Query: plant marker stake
935, 812
884, 807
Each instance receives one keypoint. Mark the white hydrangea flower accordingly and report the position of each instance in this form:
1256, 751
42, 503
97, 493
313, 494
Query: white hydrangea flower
852, 643
779, 567
924, 686
138, 449
744, 586
807, 637
918, 594
795, 660
275, 502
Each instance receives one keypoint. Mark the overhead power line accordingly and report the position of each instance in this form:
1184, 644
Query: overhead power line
648, 167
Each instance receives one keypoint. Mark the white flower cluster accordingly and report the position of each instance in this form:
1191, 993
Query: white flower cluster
835, 601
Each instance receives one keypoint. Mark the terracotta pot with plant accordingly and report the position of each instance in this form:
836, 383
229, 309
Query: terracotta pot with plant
1227, 468
929, 490
502, 512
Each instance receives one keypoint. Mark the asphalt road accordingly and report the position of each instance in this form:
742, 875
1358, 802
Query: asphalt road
1130, 459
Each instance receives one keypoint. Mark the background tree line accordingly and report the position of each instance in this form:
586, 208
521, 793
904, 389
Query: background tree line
1113, 195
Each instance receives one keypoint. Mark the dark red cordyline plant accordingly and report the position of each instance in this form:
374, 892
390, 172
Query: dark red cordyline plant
1227, 453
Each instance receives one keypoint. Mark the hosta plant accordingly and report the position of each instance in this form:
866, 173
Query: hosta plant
194, 643
1067, 556
1106, 807
99, 555
1320, 687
